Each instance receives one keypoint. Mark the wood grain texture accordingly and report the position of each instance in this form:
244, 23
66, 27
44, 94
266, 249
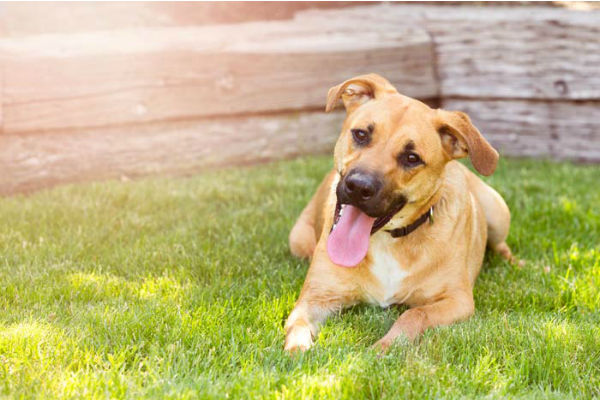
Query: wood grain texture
1, 96
33, 161
555, 129
500, 52
26, 18
99, 105
142, 75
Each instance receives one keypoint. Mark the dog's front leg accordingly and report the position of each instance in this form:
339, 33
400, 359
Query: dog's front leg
303, 324
412, 323
327, 289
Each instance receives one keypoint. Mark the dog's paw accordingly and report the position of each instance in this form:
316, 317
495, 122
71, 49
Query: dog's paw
383, 345
298, 338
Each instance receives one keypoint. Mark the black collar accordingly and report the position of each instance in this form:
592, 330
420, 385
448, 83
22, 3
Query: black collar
405, 230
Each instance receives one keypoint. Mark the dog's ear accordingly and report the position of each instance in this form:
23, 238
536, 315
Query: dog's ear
357, 91
460, 138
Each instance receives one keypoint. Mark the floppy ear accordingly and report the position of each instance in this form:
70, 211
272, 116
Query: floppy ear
357, 91
460, 138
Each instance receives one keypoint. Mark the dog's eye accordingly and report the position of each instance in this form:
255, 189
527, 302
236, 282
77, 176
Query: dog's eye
361, 137
413, 158
410, 160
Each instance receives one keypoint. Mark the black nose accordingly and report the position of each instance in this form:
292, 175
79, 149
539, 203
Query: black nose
361, 186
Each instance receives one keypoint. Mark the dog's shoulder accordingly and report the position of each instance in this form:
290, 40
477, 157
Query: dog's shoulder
456, 190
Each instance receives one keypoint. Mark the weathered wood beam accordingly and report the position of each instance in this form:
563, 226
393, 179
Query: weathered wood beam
527, 76
72, 81
137, 102
33, 161
555, 129
544, 53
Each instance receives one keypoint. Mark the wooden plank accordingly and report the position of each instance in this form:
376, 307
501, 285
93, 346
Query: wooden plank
499, 52
1, 95
29, 18
93, 79
33, 161
555, 129
2, 78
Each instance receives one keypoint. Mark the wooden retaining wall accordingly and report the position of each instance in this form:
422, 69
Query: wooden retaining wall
529, 77
130, 102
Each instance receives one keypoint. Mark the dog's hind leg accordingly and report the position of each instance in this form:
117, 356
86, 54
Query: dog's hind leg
497, 216
303, 238
307, 229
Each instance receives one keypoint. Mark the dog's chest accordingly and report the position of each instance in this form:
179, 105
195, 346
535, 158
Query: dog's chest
387, 273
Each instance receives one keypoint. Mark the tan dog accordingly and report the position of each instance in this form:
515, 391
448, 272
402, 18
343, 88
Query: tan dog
397, 221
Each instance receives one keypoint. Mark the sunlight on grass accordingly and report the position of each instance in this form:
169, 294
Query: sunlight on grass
579, 285
488, 374
179, 288
93, 285
23, 331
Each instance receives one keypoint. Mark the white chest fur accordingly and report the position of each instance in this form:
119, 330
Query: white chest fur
386, 271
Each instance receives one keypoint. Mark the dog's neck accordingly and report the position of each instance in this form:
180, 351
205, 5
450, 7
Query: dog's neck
405, 230
425, 214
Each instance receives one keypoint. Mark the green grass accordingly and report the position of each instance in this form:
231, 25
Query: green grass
178, 288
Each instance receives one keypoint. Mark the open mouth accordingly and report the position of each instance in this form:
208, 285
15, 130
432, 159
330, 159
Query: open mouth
348, 240
377, 225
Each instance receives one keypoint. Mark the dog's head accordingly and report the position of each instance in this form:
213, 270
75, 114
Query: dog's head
391, 156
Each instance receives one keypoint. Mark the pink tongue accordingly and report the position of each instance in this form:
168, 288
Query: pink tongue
348, 243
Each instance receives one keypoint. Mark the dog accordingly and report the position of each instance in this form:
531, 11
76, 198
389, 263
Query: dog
397, 220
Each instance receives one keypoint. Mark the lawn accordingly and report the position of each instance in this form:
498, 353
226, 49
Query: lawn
179, 287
